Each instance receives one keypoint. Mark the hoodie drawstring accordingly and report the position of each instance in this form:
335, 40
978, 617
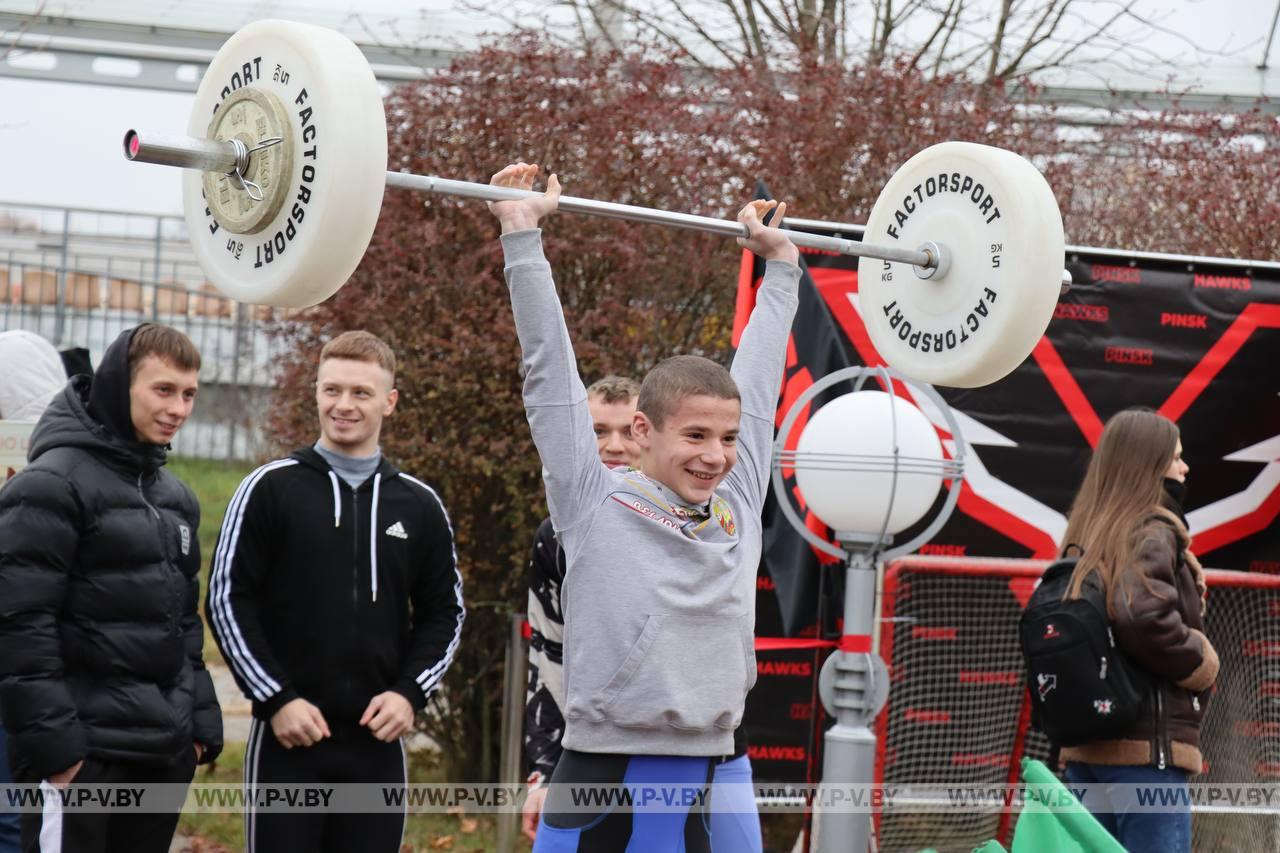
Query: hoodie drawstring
337, 500
373, 538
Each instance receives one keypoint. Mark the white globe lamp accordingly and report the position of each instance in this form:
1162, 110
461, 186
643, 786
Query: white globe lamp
883, 463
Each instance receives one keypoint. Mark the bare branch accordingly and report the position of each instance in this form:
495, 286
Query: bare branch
951, 31
883, 31
601, 28
991, 41
718, 44
997, 42
750, 44
12, 47
933, 36
1061, 55
749, 6
1036, 38
645, 23
784, 24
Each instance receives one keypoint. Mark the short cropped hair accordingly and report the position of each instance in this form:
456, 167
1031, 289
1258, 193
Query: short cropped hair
361, 346
165, 343
614, 389
681, 376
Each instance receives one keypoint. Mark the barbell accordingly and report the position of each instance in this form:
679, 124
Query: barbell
286, 165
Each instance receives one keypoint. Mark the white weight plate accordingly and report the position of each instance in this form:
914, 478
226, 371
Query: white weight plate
339, 139
996, 217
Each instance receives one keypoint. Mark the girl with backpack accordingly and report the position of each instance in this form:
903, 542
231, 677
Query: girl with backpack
1128, 529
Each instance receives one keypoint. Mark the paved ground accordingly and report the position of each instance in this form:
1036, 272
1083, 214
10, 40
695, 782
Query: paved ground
235, 708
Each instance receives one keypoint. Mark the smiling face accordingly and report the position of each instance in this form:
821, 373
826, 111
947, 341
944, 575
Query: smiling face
161, 396
695, 448
352, 398
612, 423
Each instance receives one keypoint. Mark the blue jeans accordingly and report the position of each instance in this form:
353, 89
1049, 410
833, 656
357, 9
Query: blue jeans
10, 822
1110, 799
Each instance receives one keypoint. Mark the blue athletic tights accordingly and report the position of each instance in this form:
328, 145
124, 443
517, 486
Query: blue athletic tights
636, 804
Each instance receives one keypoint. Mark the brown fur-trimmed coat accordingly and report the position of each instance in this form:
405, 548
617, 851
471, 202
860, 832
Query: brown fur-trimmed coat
1159, 623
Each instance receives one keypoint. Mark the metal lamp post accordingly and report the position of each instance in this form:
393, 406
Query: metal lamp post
854, 682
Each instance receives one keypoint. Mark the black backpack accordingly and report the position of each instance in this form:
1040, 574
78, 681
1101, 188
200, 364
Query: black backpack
1082, 687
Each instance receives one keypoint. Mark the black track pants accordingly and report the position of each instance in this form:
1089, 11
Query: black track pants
348, 757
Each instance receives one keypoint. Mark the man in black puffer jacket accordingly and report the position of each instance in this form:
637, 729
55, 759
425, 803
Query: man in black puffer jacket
101, 676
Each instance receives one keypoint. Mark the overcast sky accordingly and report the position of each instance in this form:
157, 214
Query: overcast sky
61, 142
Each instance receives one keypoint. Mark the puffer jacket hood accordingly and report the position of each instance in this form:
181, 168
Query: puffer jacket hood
93, 414
109, 396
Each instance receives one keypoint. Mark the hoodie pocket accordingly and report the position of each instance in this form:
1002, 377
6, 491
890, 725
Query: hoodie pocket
683, 672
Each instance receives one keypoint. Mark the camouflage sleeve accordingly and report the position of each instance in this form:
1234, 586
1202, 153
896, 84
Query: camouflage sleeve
544, 723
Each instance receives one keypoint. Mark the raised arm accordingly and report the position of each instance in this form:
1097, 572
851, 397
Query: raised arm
758, 365
554, 397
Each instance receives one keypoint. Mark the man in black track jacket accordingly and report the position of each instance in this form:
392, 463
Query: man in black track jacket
335, 597
101, 675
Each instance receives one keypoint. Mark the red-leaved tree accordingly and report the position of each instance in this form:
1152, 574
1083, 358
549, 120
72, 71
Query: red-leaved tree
646, 131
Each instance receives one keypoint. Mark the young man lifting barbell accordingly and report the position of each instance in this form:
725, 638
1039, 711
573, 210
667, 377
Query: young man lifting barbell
660, 589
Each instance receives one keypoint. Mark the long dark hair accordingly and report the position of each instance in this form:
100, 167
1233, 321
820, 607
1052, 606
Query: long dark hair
1122, 491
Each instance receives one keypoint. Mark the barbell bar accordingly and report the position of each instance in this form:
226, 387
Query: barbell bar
228, 158
285, 160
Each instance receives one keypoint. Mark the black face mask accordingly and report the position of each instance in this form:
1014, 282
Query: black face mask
1175, 492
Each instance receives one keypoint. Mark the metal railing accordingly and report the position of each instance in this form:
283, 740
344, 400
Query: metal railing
79, 277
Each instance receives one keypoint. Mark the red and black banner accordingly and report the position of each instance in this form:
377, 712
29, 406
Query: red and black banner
1195, 339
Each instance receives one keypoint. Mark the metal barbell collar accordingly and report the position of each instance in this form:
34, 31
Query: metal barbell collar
229, 157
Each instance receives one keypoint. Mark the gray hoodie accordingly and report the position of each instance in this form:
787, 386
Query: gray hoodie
659, 610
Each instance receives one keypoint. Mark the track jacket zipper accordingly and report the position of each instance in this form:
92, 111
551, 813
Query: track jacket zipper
355, 542
355, 552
